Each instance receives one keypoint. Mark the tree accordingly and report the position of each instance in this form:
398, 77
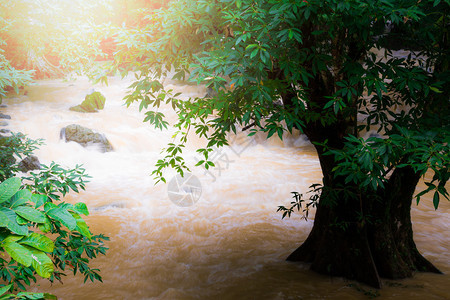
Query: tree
277, 66
52, 38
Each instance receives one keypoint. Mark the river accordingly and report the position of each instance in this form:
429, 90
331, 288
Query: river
231, 243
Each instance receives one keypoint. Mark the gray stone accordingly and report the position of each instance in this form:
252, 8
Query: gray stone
3, 123
210, 93
29, 163
5, 131
85, 137
3, 116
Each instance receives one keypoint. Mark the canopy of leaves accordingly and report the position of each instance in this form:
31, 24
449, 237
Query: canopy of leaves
282, 65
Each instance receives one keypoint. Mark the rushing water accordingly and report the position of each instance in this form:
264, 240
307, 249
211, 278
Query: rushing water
231, 244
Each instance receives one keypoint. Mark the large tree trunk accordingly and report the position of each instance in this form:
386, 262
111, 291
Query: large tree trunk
338, 244
382, 245
391, 234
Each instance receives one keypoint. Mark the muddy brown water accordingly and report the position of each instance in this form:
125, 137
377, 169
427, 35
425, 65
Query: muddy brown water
231, 244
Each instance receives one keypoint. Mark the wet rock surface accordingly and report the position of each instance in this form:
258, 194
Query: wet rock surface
85, 137
29, 163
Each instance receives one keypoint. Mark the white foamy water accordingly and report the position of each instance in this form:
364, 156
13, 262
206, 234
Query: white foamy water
231, 244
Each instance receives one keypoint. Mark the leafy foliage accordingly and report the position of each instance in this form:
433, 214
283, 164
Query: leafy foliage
10, 77
13, 148
276, 66
299, 201
41, 234
53, 37
59, 37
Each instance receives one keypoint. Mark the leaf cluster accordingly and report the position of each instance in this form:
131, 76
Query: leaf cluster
13, 148
316, 66
39, 233
299, 200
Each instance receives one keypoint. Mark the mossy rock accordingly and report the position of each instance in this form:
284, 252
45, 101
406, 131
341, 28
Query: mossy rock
85, 137
93, 102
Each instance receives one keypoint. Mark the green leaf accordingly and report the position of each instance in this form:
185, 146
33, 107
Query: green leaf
12, 238
81, 208
436, 200
63, 216
49, 205
307, 13
280, 133
30, 214
21, 221
5, 288
41, 263
254, 52
21, 197
18, 252
251, 46
436, 90
4, 221
45, 227
9, 187
329, 104
35, 296
12, 224
38, 241
82, 226
39, 199
48, 296
30, 296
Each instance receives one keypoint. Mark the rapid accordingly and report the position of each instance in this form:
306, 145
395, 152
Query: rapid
231, 243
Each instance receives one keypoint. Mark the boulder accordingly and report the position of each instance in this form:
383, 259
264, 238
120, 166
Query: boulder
85, 137
210, 93
29, 163
3, 116
93, 102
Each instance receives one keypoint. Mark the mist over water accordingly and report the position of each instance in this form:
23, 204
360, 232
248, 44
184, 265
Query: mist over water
231, 244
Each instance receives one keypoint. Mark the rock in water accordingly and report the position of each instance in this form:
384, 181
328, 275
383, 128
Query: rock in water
29, 163
85, 137
93, 102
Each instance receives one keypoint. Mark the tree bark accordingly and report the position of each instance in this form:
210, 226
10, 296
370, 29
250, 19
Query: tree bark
381, 246
338, 244
391, 233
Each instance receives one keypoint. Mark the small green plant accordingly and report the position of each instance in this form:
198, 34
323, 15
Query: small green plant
315, 190
41, 235
12, 149
11, 77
